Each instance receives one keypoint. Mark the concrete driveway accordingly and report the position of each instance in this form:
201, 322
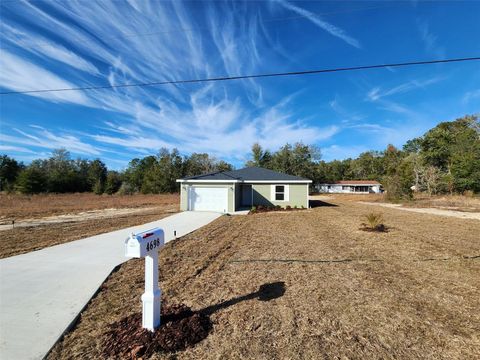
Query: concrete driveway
42, 292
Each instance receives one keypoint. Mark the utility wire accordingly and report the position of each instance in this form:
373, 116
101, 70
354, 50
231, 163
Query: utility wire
254, 76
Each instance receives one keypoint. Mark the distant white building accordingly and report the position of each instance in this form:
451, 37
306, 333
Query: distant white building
351, 187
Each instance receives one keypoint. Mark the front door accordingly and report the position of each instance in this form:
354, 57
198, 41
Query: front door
246, 195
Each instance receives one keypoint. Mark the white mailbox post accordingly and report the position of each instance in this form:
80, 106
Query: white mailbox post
146, 244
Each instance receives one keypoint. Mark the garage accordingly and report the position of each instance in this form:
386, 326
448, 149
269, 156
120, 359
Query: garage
208, 198
238, 190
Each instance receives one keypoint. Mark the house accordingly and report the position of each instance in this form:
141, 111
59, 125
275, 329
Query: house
351, 186
229, 191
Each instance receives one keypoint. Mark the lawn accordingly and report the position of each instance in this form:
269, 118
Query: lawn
47, 220
421, 200
410, 293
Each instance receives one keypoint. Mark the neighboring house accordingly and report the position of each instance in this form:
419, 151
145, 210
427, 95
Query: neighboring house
351, 186
229, 191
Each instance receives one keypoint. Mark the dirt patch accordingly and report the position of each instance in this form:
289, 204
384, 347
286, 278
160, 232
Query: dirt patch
51, 219
21, 240
377, 228
180, 328
409, 294
83, 216
18, 207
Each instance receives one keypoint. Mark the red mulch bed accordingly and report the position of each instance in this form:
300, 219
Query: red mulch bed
263, 209
180, 328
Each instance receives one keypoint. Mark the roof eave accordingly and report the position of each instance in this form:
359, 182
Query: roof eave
306, 181
206, 181
245, 181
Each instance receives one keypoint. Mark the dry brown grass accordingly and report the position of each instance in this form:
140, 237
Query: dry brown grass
449, 202
349, 294
420, 200
25, 239
13, 206
359, 197
21, 240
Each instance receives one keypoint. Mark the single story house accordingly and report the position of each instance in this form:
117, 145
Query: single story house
351, 186
229, 191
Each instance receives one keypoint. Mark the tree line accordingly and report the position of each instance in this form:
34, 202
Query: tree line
62, 174
446, 159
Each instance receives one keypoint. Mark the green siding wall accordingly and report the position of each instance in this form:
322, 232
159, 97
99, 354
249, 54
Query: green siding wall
184, 194
298, 195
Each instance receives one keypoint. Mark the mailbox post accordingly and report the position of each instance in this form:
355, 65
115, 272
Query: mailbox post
146, 245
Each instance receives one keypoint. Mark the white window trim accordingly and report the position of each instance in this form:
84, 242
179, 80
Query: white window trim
286, 196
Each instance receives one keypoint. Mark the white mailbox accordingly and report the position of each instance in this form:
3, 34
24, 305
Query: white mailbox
146, 244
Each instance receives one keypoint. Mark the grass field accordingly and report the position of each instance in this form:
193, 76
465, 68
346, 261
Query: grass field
85, 217
421, 200
410, 293
20, 207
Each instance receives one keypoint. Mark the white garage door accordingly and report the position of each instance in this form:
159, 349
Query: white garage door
208, 199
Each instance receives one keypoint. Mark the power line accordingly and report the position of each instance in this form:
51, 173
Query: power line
254, 76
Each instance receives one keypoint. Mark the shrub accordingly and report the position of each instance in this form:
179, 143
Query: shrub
126, 189
288, 207
374, 222
374, 219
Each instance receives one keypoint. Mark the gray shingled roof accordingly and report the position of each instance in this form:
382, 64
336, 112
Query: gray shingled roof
247, 174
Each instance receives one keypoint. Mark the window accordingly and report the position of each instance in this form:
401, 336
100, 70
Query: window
279, 193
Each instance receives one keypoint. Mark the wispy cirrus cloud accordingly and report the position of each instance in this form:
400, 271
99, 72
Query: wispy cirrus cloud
346, 115
318, 20
44, 48
223, 119
219, 128
429, 39
16, 149
377, 92
38, 137
471, 95
18, 74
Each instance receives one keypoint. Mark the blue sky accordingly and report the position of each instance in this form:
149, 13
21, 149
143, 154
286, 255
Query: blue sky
61, 44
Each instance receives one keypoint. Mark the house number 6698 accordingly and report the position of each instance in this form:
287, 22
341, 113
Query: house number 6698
153, 244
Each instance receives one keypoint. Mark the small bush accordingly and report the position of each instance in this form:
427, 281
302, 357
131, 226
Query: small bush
288, 207
374, 222
374, 219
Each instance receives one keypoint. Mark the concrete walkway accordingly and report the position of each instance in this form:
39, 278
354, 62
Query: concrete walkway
42, 292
